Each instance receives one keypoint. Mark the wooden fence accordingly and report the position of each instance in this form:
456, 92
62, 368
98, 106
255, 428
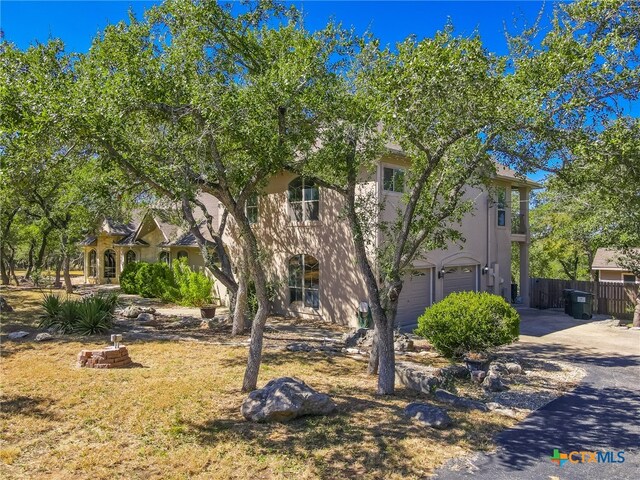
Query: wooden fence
609, 298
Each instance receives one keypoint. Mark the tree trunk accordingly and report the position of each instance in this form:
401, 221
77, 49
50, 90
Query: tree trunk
252, 254
43, 249
11, 264
57, 283
32, 247
636, 312
374, 358
3, 268
240, 309
67, 275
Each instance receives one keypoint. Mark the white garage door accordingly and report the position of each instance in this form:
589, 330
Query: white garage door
460, 279
414, 298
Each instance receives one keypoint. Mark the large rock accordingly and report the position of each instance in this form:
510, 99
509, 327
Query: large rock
43, 337
16, 335
131, 311
460, 402
498, 367
144, 317
284, 399
351, 339
493, 383
429, 415
418, 377
402, 343
4, 306
455, 371
514, 368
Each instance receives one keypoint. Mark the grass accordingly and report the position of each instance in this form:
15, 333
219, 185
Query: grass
178, 417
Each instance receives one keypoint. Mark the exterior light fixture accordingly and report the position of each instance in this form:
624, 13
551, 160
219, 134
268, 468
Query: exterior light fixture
116, 339
485, 269
441, 273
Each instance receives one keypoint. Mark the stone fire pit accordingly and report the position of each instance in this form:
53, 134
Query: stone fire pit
109, 357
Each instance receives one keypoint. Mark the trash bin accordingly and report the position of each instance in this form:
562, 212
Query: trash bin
581, 305
566, 295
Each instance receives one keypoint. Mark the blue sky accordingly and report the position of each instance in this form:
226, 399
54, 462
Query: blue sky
77, 22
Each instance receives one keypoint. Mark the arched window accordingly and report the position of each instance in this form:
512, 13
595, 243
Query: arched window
183, 255
304, 200
130, 257
109, 264
164, 257
304, 276
93, 264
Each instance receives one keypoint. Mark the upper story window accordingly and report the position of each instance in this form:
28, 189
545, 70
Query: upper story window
502, 207
304, 200
393, 179
251, 208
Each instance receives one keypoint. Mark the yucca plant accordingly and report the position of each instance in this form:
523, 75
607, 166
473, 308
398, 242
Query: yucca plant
93, 318
68, 316
51, 305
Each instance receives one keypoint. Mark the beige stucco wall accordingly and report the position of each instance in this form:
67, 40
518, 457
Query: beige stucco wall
613, 275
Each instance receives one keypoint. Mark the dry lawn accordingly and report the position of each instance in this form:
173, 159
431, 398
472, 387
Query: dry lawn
178, 416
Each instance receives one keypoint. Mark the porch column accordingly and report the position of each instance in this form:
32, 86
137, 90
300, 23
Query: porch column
524, 247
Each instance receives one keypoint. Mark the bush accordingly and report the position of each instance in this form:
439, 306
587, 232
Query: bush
153, 279
88, 316
469, 322
192, 288
128, 277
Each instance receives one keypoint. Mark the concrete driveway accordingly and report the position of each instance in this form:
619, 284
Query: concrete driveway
601, 414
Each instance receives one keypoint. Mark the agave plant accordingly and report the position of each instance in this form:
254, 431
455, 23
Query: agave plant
94, 316
51, 305
68, 316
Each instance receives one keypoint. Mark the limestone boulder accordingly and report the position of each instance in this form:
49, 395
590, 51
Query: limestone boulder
460, 402
418, 377
428, 415
284, 399
4, 306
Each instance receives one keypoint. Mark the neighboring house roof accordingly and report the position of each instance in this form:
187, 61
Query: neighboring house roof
506, 173
607, 259
90, 241
131, 240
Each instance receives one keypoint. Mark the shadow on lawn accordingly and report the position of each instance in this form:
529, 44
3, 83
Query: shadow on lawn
25, 405
363, 436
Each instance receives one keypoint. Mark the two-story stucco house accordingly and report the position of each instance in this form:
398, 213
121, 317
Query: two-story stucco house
309, 251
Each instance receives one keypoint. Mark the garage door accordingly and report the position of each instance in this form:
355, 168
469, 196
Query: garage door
414, 298
460, 279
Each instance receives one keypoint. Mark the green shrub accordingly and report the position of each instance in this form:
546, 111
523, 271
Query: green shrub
128, 277
94, 315
469, 322
88, 316
192, 288
51, 305
153, 279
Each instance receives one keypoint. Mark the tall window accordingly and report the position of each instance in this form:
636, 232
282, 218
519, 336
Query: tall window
304, 276
93, 264
183, 255
304, 200
130, 257
164, 257
251, 208
502, 207
109, 264
393, 179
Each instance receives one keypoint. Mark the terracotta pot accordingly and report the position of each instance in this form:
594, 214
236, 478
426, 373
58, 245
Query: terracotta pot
208, 311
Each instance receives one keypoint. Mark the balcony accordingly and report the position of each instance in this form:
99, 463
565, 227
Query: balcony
518, 224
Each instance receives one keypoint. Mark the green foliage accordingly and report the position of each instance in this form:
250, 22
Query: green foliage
128, 277
89, 316
179, 284
193, 288
52, 305
153, 279
469, 322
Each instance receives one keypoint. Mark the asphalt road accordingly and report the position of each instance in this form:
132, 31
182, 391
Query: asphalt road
601, 414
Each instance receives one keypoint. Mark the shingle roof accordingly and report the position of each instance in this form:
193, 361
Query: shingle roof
131, 240
606, 259
90, 241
